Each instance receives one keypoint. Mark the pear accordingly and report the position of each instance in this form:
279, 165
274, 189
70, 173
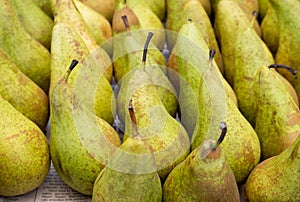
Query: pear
288, 16
32, 102
24, 151
277, 115
158, 7
66, 12
263, 6
204, 99
280, 173
37, 23
206, 171
269, 30
80, 142
149, 21
66, 45
31, 57
103, 7
230, 20
130, 175
98, 25
179, 13
128, 51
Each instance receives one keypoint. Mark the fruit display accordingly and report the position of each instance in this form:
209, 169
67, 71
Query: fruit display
151, 100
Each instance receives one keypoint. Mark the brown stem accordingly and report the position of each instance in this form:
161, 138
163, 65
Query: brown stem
150, 35
290, 69
223, 127
126, 23
71, 67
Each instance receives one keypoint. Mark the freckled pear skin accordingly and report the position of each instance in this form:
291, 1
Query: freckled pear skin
24, 152
32, 102
276, 178
78, 158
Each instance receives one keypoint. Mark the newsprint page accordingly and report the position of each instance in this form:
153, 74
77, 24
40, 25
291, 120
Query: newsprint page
52, 189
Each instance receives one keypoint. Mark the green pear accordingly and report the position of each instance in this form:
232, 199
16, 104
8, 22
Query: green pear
37, 23
128, 51
66, 45
288, 16
269, 30
103, 7
45, 6
158, 7
66, 12
230, 20
276, 178
32, 102
97, 24
179, 13
130, 175
80, 142
24, 151
165, 134
213, 103
149, 21
31, 57
203, 176
263, 6
277, 115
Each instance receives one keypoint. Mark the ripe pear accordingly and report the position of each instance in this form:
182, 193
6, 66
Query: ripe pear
178, 15
32, 102
277, 115
103, 7
66, 12
24, 151
213, 103
158, 7
80, 142
203, 176
130, 175
280, 173
269, 29
128, 51
288, 16
31, 57
37, 23
230, 20
97, 24
66, 45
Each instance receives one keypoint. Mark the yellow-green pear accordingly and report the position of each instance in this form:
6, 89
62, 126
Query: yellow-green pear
263, 6
81, 143
288, 16
97, 24
67, 45
24, 151
277, 114
36, 23
31, 57
157, 6
276, 178
104, 7
45, 6
203, 176
22, 93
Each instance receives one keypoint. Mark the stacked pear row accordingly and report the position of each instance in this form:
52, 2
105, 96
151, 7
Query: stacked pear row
258, 105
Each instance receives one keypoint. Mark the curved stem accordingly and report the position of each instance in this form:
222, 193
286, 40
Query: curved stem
223, 127
150, 35
290, 69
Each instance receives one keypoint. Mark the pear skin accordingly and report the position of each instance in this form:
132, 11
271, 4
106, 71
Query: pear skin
80, 142
130, 175
31, 57
32, 102
103, 7
158, 7
209, 174
24, 151
37, 23
277, 115
280, 173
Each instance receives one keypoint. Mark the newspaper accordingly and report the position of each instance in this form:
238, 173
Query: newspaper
52, 189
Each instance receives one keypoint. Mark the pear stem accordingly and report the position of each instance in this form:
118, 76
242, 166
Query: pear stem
71, 67
126, 23
254, 16
150, 35
212, 53
223, 127
132, 117
190, 20
290, 69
